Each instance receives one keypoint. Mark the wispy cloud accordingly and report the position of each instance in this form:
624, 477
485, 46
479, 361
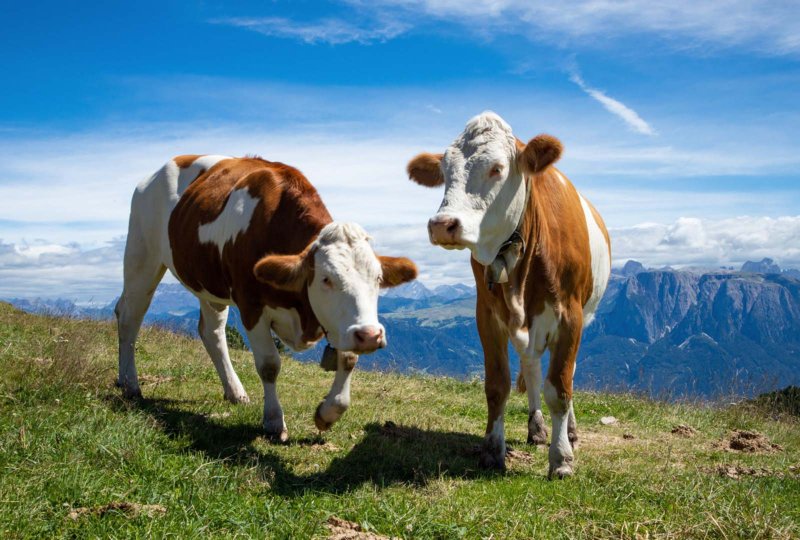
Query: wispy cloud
768, 27
615, 107
331, 31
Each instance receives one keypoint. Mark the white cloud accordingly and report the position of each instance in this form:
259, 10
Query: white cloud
331, 31
617, 108
768, 27
705, 242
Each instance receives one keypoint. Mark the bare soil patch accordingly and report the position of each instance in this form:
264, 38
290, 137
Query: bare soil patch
682, 430
341, 529
129, 509
751, 442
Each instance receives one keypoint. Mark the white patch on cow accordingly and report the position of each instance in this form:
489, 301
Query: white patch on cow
344, 291
543, 331
287, 325
487, 207
232, 221
601, 263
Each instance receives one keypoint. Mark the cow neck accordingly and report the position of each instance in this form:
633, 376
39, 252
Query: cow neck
512, 250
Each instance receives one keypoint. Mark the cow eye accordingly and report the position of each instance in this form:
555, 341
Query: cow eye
326, 281
496, 170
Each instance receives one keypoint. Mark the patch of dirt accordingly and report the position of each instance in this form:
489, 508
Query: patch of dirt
750, 442
129, 509
737, 471
154, 379
518, 455
323, 447
341, 529
682, 430
628, 436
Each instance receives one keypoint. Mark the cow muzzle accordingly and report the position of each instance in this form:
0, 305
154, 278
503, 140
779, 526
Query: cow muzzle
445, 231
367, 338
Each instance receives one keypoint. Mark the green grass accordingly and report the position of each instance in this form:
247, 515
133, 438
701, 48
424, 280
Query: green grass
68, 441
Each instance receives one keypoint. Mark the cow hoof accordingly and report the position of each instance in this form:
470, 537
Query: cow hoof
321, 424
236, 400
279, 437
537, 438
131, 393
559, 473
492, 461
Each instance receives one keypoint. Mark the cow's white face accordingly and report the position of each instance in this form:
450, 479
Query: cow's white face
342, 276
484, 172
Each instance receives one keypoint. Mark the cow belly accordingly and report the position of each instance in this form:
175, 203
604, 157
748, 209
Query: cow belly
601, 263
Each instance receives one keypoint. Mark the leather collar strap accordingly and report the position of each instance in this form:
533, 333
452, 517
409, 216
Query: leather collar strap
510, 251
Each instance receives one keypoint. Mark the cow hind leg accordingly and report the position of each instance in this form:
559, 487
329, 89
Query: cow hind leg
268, 366
213, 319
531, 377
142, 275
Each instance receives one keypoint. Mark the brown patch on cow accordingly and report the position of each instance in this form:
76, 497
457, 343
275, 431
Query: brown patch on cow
540, 153
682, 430
185, 161
750, 442
425, 169
341, 529
284, 197
396, 270
129, 509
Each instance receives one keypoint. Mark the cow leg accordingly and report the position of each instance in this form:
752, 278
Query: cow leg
268, 366
531, 367
142, 274
572, 426
213, 319
338, 399
558, 390
497, 386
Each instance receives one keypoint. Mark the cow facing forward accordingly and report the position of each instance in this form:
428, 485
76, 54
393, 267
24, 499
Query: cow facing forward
541, 258
255, 234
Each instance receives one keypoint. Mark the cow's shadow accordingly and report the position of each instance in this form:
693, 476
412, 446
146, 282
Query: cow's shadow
388, 454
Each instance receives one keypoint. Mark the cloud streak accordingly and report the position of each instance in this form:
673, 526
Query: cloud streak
615, 107
331, 31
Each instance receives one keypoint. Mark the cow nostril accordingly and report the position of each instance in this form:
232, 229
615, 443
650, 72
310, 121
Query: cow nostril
452, 226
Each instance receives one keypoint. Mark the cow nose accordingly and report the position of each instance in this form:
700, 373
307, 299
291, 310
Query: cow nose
369, 338
443, 229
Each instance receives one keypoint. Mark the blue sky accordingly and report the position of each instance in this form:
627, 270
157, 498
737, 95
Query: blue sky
680, 122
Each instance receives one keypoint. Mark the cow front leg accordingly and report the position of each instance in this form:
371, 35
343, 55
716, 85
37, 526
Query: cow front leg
497, 386
338, 399
268, 366
558, 391
211, 327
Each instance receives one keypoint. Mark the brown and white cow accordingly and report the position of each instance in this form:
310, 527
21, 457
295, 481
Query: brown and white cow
541, 258
255, 234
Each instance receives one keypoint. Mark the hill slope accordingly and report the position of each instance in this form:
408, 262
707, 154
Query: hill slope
400, 462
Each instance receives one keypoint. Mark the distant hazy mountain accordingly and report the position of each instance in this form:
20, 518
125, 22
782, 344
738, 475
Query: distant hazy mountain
665, 332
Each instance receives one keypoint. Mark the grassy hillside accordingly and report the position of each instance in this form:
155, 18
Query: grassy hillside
400, 463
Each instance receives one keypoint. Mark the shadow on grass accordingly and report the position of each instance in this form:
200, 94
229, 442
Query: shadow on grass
386, 455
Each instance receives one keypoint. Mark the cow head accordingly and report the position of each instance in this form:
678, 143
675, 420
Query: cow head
484, 172
342, 275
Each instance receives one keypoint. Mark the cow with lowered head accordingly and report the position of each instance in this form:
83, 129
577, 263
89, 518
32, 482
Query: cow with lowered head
541, 258
255, 234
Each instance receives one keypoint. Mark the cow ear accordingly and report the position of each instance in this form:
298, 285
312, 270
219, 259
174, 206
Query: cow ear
396, 271
285, 272
426, 170
540, 152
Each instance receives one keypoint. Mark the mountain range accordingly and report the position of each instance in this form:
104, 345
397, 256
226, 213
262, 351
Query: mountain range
672, 333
